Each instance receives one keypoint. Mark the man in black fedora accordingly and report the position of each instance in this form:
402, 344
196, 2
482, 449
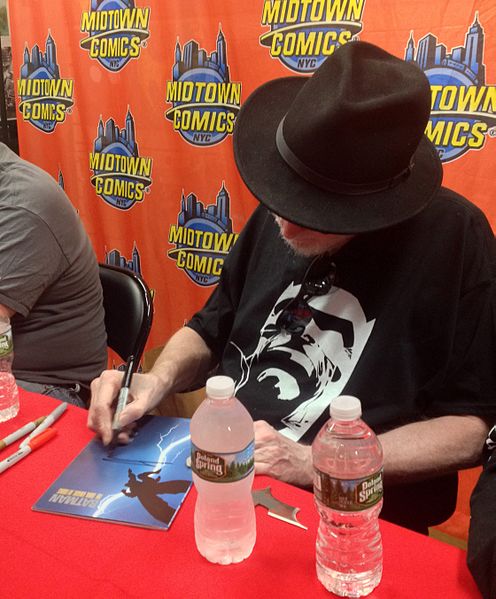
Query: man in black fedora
357, 274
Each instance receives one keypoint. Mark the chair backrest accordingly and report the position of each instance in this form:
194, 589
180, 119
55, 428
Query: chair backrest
128, 310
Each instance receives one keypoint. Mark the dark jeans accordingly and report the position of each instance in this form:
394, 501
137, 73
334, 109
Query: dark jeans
418, 505
73, 394
481, 552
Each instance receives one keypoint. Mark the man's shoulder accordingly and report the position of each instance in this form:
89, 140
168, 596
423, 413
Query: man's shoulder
12, 166
450, 202
452, 225
25, 187
450, 215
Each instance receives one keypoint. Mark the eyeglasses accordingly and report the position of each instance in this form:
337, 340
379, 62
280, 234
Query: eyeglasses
297, 313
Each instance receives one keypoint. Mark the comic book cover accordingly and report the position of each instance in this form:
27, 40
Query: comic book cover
141, 484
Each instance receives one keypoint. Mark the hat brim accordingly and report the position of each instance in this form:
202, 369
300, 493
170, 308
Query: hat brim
290, 196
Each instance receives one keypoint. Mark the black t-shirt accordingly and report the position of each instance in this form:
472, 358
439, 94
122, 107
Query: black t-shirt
407, 326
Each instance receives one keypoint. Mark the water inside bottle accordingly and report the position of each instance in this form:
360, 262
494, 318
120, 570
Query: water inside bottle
349, 552
349, 585
9, 396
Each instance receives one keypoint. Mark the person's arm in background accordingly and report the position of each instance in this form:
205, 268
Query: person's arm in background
412, 452
184, 361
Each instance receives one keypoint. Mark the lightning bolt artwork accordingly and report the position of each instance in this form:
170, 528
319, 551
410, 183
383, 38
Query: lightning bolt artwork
142, 483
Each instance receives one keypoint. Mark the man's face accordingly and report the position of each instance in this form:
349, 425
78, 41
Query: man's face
308, 242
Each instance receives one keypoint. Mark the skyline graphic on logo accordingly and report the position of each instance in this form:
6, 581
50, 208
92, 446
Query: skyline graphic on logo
115, 258
203, 237
120, 175
205, 102
463, 108
303, 33
117, 31
45, 97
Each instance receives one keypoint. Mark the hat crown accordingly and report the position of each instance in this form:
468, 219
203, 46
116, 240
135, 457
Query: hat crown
342, 151
360, 117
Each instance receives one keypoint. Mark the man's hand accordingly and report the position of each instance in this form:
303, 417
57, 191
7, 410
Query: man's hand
145, 394
184, 360
281, 458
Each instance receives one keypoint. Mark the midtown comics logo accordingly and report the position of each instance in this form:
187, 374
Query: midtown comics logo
463, 107
203, 237
117, 30
120, 175
45, 97
204, 101
303, 33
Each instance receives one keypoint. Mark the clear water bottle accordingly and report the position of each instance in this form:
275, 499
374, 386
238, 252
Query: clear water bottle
347, 460
222, 448
9, 394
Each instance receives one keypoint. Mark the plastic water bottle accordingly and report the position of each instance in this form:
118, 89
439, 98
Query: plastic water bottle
9, 394
222, 446
347, 460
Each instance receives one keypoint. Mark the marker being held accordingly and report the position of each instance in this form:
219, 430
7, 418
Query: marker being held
122, 398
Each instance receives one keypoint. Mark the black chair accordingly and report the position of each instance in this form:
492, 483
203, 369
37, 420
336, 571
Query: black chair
128, 310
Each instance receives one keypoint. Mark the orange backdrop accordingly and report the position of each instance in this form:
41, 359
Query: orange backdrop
131, 103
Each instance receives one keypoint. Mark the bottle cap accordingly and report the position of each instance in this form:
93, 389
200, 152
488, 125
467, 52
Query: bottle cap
345, 407
220, 387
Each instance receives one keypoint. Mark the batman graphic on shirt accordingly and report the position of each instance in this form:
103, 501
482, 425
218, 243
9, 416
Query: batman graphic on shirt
304, 367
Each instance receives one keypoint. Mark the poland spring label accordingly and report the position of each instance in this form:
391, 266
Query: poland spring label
222, 467
348, 495
6, 344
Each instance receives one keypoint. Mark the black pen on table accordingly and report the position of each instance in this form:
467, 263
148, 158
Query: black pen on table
123, 395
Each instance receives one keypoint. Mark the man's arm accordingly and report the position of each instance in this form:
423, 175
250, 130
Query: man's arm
432, 447
412, 452
184, 361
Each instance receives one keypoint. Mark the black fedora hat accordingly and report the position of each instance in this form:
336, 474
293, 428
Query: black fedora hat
342, 151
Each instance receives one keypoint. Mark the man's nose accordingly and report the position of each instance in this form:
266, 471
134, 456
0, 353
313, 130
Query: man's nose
289, 230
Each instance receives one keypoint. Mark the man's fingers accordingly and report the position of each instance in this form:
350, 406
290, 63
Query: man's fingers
126, 434
263, 433
141, 398
104, 390
133, 411
262, 468
144, 394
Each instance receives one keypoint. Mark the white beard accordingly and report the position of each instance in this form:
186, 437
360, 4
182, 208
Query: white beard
309, 243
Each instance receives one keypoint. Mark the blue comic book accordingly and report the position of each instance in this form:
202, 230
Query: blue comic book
141, 484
